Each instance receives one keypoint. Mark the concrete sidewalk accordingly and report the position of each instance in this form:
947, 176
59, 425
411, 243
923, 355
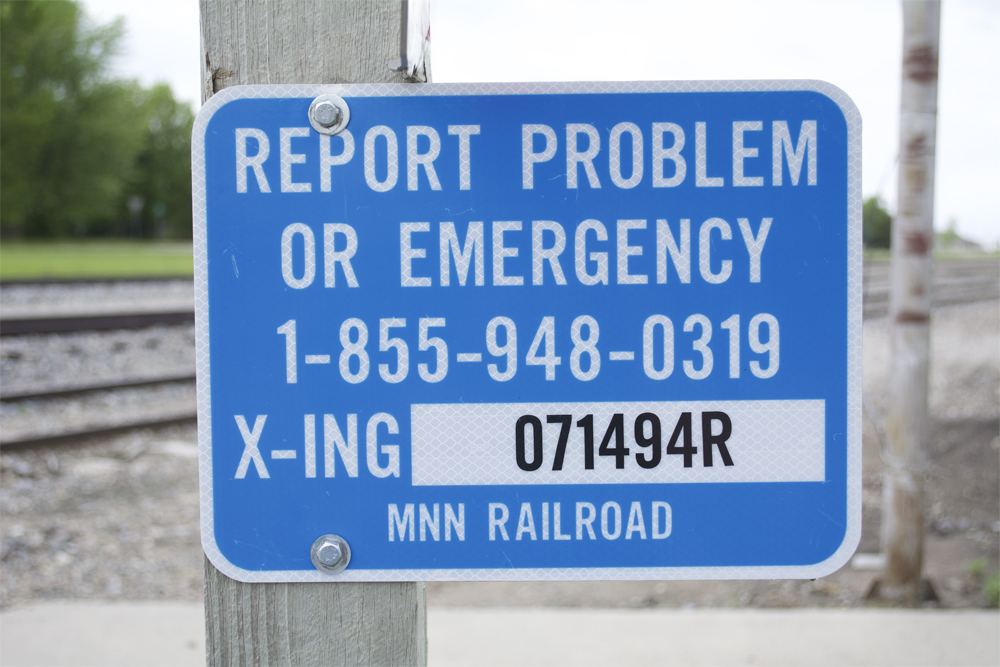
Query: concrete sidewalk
137, 633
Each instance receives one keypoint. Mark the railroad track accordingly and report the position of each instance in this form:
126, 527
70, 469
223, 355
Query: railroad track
77, 357
89, 389
99, 430
57, 306
954, 282
38, 325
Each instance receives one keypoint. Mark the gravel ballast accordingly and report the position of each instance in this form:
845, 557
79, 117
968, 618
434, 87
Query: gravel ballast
45, 362
95, 298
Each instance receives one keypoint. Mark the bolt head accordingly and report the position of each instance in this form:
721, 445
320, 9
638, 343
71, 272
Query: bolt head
329, 553
326, 114
329, 114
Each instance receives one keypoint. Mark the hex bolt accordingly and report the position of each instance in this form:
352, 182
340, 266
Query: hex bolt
326, 114
329, 114
330, 554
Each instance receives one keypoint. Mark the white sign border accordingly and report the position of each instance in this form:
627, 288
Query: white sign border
854, 316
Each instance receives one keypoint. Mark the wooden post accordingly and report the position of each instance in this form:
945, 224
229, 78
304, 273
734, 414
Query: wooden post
296, 41
907, 424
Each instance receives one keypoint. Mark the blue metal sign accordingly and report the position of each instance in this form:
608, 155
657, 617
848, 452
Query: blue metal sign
532, 331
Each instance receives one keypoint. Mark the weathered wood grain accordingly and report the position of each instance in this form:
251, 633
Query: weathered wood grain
296, 41
313, 624
292, 41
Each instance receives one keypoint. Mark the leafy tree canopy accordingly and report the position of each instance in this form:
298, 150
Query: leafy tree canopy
161, 172
77, 144
876, 223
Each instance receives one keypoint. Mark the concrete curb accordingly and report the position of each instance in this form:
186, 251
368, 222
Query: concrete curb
172, 633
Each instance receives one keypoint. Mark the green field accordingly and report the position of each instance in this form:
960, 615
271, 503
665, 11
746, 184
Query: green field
22, 260
107, 258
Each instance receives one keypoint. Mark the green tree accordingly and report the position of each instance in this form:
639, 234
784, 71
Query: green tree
876, 223
76, 144
161, 172
66, 132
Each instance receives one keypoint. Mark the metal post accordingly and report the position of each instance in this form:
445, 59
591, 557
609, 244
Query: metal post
295, 41
907, 423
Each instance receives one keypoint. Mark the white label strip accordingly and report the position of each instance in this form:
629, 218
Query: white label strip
477, 444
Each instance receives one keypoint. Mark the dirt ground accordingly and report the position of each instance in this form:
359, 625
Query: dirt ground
118, 519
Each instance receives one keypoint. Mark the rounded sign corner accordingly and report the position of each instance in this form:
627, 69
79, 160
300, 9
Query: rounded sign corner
840, 97
839, 558
218, 560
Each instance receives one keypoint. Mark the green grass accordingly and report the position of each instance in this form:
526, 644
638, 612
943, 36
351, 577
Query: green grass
105, 258
992, 590
991, 586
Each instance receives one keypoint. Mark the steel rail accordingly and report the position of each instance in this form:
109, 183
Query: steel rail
86, 389
97, 432
37, 325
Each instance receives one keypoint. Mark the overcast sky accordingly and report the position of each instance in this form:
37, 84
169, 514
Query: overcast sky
855, 45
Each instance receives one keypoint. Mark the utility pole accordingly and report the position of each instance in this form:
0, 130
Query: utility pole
287, 42
907, 425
